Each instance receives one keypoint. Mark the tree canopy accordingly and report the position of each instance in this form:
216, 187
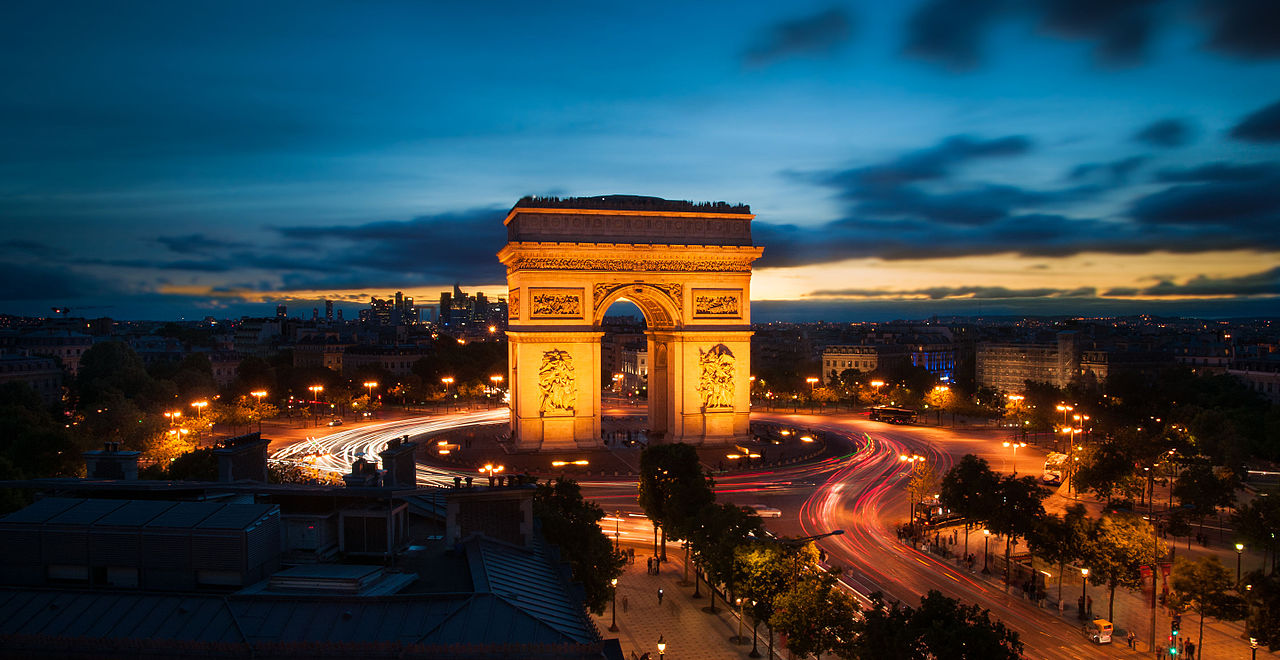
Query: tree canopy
572, 523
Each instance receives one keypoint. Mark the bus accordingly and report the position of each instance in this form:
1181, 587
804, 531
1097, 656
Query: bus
893, 415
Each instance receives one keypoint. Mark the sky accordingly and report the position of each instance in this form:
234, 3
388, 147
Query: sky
903, 159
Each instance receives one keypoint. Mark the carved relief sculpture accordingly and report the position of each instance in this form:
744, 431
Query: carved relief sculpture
711, 302
513, 307
556, 381
603, 290
715, 382
555, 303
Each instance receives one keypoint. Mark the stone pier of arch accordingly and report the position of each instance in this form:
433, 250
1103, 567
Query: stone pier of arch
687, 267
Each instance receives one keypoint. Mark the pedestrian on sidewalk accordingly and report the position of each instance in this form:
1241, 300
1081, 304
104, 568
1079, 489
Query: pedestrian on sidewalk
625, 603
649, 565
1130, 637
1190, 650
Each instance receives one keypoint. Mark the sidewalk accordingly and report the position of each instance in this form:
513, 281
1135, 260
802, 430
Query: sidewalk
688, 631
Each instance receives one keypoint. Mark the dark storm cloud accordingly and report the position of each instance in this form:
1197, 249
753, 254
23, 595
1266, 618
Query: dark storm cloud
950, 32
445, 247
1166, 133
1260, 126
821, 34
198, 244
1266, 283
970, 292
1246, 28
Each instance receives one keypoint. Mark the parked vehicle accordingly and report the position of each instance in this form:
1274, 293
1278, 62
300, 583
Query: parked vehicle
335, 422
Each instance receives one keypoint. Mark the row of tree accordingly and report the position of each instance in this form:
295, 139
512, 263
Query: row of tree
780, 582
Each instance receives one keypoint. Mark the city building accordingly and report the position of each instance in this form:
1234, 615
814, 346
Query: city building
1262, 376
1007, 367
42, 374
635, 370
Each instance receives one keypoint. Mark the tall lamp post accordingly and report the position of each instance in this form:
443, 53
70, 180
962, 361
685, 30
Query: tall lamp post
739, 639
315, 397
755, 634
447, 380
613, 626
258, 394
497, 383
662, 647
1239, 552
1084, 591
617, 536
986, 556
368, 386
911, 504
199, 406
1015, 446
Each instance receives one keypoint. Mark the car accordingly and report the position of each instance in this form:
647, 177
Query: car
765, 511
335, 422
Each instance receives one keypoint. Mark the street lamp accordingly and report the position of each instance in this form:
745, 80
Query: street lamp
739, 639
447, 380
662, 647
1239, 551
911, 460
613, 626
617, 535
1015, 446
258, 394
315, 396
368, 386
986, 555
1084, 591
755, 635
490, 469
199, 406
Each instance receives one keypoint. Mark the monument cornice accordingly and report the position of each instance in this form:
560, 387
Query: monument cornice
640, 213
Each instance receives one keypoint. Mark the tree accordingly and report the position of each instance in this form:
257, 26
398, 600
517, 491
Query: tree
968, 489
1118, 546
1257, 522
1204, 586
1264, 608
940, 628
719, 530
1203, 489
1017, 512
764, 570
922, 482
1061, 539
673, 489
572, 523
815, 615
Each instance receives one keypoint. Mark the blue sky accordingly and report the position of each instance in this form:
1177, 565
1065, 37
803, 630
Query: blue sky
903, 159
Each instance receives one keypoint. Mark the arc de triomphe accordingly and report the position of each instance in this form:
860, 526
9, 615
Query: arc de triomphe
686, 266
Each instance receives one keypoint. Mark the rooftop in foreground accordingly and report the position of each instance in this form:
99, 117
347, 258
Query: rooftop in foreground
630, 203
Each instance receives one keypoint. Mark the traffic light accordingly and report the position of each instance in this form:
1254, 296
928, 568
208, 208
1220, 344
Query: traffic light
1176, 623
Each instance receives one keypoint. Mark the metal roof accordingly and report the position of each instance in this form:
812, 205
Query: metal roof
185, 514
135, 513
41, 510
86, 512
237, 516
115, 615
528, 580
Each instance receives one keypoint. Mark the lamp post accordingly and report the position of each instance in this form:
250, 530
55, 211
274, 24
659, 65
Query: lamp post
617, 535
662, 647
447, 380
911, 504
1084, 591
1015, 446
613, 626
1239, 552
1253, 647
258, 394
755, 635
497, 383
199, 406
368, 386
315, 396
986, 556
739, 639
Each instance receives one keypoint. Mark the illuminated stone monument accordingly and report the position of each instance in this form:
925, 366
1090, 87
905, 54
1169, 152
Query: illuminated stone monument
686, 266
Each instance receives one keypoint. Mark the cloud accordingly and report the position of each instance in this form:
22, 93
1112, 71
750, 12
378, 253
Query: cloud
28, 282
1114, 173
1219, 172
1121, 28
1266, 283
1251, 206
1166, 133
950, 32
966, 292
30, 248
821, 34
1246, 28
1260, 126
937, 162
439, 248
198, 244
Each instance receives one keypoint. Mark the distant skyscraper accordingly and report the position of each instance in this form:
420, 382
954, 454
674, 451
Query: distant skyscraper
315, 313
281, 311
328, 310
